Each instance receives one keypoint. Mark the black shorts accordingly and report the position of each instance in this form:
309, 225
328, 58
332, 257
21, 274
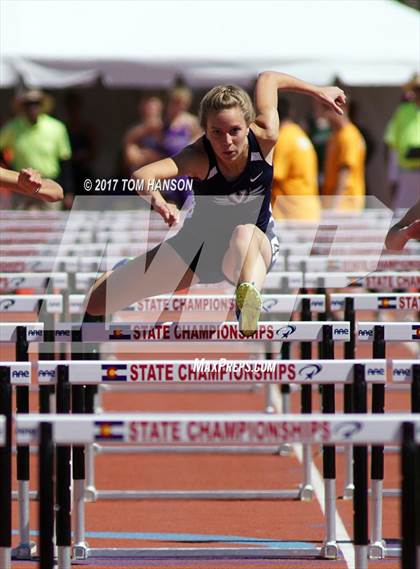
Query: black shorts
204, 253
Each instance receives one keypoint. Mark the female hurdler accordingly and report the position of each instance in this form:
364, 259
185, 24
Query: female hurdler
230, 235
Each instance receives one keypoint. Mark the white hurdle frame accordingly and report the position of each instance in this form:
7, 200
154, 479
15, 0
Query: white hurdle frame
184, 429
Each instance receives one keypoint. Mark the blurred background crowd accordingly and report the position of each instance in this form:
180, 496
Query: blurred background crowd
121, 88
318, 153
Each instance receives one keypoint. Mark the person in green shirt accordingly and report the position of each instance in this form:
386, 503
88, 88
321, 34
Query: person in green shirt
36, 139
402, 137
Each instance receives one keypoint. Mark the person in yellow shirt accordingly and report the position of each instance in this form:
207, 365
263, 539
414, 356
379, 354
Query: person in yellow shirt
295, 188
344, 172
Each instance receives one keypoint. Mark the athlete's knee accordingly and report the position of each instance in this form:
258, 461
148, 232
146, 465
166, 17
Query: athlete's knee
243, 236
96, 303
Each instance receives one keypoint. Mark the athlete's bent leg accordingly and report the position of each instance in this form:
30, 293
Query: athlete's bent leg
246, 263
158, 271
248, 256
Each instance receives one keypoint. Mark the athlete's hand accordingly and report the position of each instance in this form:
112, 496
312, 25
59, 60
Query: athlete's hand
333, 97
397, 238
168, 211
413, 230
30, 180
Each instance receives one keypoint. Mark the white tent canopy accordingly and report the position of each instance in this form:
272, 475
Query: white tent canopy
145, 43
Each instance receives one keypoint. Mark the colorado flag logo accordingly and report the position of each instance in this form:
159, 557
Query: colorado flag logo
114, 372
416, 332
109, 430
387, 302
120, 333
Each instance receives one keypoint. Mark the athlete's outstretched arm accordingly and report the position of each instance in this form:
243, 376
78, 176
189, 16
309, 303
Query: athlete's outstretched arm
267, 86
183, 164
407, 228
28, 182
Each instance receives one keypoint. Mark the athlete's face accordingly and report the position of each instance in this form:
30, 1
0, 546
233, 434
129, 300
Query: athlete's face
227, 132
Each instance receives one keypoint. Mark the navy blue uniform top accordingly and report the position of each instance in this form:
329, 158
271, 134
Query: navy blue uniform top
232, 202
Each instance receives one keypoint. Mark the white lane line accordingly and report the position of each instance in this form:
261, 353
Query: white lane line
346, 546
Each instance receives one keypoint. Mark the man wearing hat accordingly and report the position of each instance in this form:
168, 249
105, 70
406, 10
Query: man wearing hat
34, 138
402, 137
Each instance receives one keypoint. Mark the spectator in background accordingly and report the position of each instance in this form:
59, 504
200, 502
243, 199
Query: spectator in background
295, 185
180, 128
83, 145
344, 171
141, 142
402, 137
319, 132
354, 116
158, 137
37, 140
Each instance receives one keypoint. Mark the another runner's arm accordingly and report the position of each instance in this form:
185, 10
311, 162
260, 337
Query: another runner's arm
266, 88
28, 182
407, 228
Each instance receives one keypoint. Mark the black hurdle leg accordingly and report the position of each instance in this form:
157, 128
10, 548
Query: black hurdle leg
349, 354
377, 548
46, 497
26, 548
63, 474
285, 448
360, 475
306, 490
409, 480
90, 352
46, 392
415, 408
6, 470
330, 548
80, 547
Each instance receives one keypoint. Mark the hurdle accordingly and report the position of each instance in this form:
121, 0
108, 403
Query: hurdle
406, 372
48, 306
350, 304
355, 264
378, 302
379, 334
132, 374
307, 331
189, 429
137, 243
10, 282
21, 334
5, 469
216, 304
217, 307
197, 332
403, 280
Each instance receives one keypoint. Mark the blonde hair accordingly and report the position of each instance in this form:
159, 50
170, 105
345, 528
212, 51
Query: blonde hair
224, 97
180, 92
